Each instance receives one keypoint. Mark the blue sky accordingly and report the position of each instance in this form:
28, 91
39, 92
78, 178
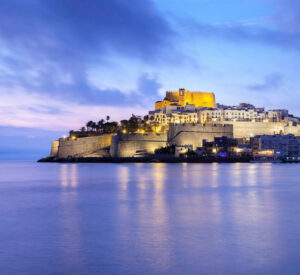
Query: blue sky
64, 62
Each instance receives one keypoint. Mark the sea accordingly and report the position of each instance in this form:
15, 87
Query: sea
89, 218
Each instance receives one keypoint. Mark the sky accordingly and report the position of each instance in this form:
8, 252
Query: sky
65, 62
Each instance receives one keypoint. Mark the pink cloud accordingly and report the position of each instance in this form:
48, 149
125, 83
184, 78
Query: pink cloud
20, 108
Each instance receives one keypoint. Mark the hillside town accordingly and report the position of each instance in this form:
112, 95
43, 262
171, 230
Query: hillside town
187, 126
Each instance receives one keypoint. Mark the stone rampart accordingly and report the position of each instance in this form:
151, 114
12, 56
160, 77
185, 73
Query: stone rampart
247, 129
54, 148
193, 134
292, 129
129, 145
82, 146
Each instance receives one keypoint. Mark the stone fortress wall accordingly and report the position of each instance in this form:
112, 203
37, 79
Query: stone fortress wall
193, 134
54, 148
80, 147
127, 145
292, 129
246, 129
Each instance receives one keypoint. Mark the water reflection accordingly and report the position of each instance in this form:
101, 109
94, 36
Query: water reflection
159, 174
252, 174
69, 175
160, 218
215, 175
215, 194
184, 174
155, 242
249, 208
123, 177
266, 173
64, 175
70, 235
74, 176
142, 178
146, 209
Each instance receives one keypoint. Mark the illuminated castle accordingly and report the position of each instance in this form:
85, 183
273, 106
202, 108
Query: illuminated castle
183, 97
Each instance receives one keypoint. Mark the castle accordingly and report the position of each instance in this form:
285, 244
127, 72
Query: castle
183, 97
185, 119
184, 107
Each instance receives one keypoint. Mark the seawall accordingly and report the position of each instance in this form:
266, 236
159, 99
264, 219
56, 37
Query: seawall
66, 147
127, 145
131, 145
54, 148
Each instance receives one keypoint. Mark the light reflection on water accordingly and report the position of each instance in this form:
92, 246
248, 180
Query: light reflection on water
69, 177
149, 218
69, 219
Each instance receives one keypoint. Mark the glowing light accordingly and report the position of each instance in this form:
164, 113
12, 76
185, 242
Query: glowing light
157, 129
141, 131
214, 150
124, 131
266, 152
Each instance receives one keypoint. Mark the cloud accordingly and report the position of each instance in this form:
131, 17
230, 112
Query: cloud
75, 27
48, 46
241, 23
280, 29
287, 16
271, 82
41, 111
254, 34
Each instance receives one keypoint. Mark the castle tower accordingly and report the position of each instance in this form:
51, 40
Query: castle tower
181, 100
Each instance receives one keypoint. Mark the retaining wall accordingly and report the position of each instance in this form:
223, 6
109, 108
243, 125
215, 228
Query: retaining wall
82, 146
193, 134
246, 129
127, 145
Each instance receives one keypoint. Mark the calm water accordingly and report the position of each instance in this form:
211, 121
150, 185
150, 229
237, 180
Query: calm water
149, 218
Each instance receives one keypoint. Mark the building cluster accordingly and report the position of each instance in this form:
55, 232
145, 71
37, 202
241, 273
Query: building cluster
175, 113
274, 134
185, 108
243, 112
260, 148
286, 147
